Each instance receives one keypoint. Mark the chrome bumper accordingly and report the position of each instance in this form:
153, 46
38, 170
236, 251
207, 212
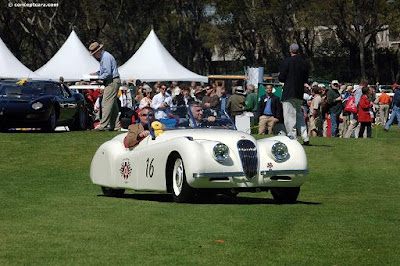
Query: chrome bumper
263, 173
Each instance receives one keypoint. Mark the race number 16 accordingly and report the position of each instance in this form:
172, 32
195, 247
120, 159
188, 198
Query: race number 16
149, 167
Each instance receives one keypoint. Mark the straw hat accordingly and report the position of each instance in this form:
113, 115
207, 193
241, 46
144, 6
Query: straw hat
95, 47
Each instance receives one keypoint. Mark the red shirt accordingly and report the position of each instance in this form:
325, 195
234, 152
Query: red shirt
363, 109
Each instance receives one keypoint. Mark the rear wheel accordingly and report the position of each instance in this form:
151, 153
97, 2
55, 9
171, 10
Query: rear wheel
285, 194
51, 123
80, 120
181, 191
111, 192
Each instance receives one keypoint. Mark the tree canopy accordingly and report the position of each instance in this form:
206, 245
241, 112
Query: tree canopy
337, 37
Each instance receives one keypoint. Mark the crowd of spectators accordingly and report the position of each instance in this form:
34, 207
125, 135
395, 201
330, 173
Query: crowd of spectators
347, 110
323, 107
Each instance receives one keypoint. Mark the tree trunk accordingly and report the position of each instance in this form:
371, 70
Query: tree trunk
398, 66
362, 58
374, 65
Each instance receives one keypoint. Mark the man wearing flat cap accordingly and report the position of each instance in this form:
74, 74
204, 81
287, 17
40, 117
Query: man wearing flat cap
293, 72
109, 74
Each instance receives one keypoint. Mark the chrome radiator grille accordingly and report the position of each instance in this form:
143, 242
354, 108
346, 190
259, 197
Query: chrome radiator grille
248, 156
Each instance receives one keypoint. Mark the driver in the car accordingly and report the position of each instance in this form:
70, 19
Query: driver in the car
137, 132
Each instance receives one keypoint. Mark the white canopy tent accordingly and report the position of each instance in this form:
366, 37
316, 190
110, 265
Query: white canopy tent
72, 62
152, 62
11, 67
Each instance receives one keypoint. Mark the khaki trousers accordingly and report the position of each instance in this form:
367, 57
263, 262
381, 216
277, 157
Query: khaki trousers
109, 105
313, 123
266, 122
293, 116
383, 113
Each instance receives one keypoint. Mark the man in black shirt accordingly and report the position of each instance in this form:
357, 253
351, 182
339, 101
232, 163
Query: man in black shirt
294, 71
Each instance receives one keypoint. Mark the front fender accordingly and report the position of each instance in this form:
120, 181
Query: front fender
295, 166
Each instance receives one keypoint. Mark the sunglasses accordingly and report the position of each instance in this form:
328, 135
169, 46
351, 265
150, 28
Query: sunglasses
150, 114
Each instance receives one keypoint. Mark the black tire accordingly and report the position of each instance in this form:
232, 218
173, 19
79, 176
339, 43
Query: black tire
181, 191
231, 194
286, 195
81, 119
51, 123
111, 192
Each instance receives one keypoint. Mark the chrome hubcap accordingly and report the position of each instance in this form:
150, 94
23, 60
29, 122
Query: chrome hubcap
178, 177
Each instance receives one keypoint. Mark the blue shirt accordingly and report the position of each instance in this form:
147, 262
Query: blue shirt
224, 101
108, 66
267, 109
396, 98
358, 95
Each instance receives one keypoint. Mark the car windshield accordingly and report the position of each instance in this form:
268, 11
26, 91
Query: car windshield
26, 90
195, 116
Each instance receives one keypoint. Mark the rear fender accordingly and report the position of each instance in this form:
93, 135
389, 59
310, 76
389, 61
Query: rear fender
102, 170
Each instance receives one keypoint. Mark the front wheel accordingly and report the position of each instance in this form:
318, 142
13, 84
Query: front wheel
181, 191
111, 192
286, 195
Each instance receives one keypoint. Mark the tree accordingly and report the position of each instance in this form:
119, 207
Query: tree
357, 22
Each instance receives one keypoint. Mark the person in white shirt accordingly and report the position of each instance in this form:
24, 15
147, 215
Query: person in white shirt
158, 103
125, 98
146, 100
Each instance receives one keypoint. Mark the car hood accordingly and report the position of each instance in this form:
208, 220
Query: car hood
219, 135
226, 136
205, 134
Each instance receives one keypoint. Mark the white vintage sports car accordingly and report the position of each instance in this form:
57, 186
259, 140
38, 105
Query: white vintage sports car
191, 157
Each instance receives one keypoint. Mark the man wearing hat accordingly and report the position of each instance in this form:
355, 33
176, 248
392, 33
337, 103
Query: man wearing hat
293, 72
396, 108
335, 106
237, 102
109, 74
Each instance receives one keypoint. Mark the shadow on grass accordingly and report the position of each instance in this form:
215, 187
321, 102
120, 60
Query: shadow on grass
320, 145
211, 199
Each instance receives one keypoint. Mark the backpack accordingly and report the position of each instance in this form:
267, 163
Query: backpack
350, 105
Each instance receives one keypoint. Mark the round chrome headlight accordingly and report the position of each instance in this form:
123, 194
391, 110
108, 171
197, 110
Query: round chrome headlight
221, 152
37, 105
280, 152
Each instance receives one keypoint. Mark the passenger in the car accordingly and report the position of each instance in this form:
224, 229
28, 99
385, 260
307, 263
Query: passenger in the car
137, 132
197, 112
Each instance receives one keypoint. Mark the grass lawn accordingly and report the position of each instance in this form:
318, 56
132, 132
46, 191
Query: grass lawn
348, 211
